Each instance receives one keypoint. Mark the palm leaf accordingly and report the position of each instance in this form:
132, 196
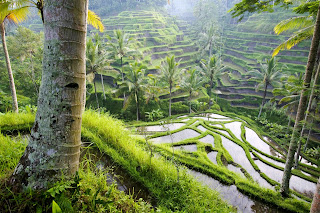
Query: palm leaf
18, 15
95, 20
299, 36
293, 24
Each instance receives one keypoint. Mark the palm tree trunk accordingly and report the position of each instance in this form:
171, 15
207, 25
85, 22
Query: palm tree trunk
104, 93
289, 122
308, 138
170, 101
122, 76
95, 92
55, 141
190, 103
11, 79
315, 206
301, 108
137, 105
316, 77
264, 99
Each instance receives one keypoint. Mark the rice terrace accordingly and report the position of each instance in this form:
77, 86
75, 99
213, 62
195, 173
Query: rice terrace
159, 106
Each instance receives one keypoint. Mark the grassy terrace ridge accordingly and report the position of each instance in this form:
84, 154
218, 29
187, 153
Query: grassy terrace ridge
198, 160
109, 136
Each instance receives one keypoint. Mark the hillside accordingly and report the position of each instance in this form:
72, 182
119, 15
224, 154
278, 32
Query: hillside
246, 45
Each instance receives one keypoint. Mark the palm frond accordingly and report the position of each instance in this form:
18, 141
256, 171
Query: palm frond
95, 21
18, 15
299, 36
294, 23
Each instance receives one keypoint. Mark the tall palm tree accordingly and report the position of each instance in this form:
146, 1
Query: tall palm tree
269, 74
152, 88
290, 93
170, 72
97, 61
134, 84
11, 11
302, 105
211, 70
55, 141
121, 48
191, 82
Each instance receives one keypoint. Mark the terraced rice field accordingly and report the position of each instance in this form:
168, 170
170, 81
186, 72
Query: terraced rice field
217, 141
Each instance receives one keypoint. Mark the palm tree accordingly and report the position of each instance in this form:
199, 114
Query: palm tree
97, 61
11, 11
208, 40
170, 75
191, 82
152, 89
211, 70
291, 94
55, 141
121, 48
134, 84
302, 106
269, 74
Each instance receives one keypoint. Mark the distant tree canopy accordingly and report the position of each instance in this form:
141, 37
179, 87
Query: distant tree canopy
111, 7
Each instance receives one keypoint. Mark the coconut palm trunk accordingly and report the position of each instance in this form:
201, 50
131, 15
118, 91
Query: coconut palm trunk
301, 108
95, 92
170, 100
137, 105
122, 76
264, 99
54, 144
316, 78
315, 206
11, 79
104, 93
190, 102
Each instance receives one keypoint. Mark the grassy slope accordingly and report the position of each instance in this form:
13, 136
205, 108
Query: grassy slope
109, 135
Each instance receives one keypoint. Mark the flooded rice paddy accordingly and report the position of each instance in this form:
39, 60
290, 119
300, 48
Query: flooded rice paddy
242, 162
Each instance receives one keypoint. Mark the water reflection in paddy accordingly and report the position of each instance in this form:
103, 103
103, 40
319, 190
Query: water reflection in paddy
201, 128
235, 169
189, 148
213, 157
231, 194
235, 128
176, 137
239, 157
256, 141
296, 183
271, 160
159, 128
212, 119
208, 139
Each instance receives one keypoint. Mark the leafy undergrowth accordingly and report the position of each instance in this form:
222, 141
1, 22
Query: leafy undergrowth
88, 190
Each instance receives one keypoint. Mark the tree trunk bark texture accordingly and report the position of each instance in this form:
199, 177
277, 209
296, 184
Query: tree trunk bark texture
315, 206
301, 108
170, 101
263, 100
10, 75
316, 78
54, 145
95, 93
104, 93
